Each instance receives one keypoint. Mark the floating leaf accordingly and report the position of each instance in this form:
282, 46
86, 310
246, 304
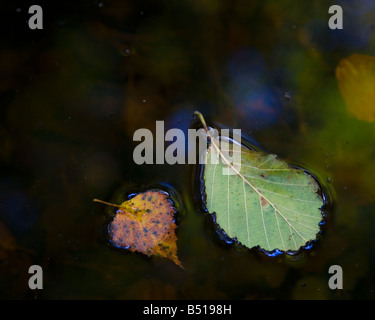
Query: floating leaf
265, 203
145, 224
356, 80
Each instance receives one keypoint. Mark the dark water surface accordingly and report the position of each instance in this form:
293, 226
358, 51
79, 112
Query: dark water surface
73, 94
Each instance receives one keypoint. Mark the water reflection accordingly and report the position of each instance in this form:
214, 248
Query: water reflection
18, 209
250, 88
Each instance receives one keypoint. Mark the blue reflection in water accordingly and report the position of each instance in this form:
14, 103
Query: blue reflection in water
246, 66
273, 253
308, 246
262, 106
17, 209
358, 24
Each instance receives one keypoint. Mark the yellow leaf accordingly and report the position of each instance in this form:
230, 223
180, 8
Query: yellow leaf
145, 224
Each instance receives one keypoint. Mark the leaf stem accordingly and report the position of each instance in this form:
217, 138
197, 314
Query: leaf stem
107, 203
201, 118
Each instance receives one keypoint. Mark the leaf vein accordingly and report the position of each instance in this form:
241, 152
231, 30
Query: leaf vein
280, 183
264, 226
285, 196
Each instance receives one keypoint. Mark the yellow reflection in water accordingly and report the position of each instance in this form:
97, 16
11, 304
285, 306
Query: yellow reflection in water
356, 80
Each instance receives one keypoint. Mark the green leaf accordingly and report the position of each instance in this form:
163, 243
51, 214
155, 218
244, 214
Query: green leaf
265, 203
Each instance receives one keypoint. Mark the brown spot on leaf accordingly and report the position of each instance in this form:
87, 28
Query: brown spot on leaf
263, 201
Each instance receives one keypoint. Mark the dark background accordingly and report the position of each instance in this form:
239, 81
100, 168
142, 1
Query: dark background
72, 95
